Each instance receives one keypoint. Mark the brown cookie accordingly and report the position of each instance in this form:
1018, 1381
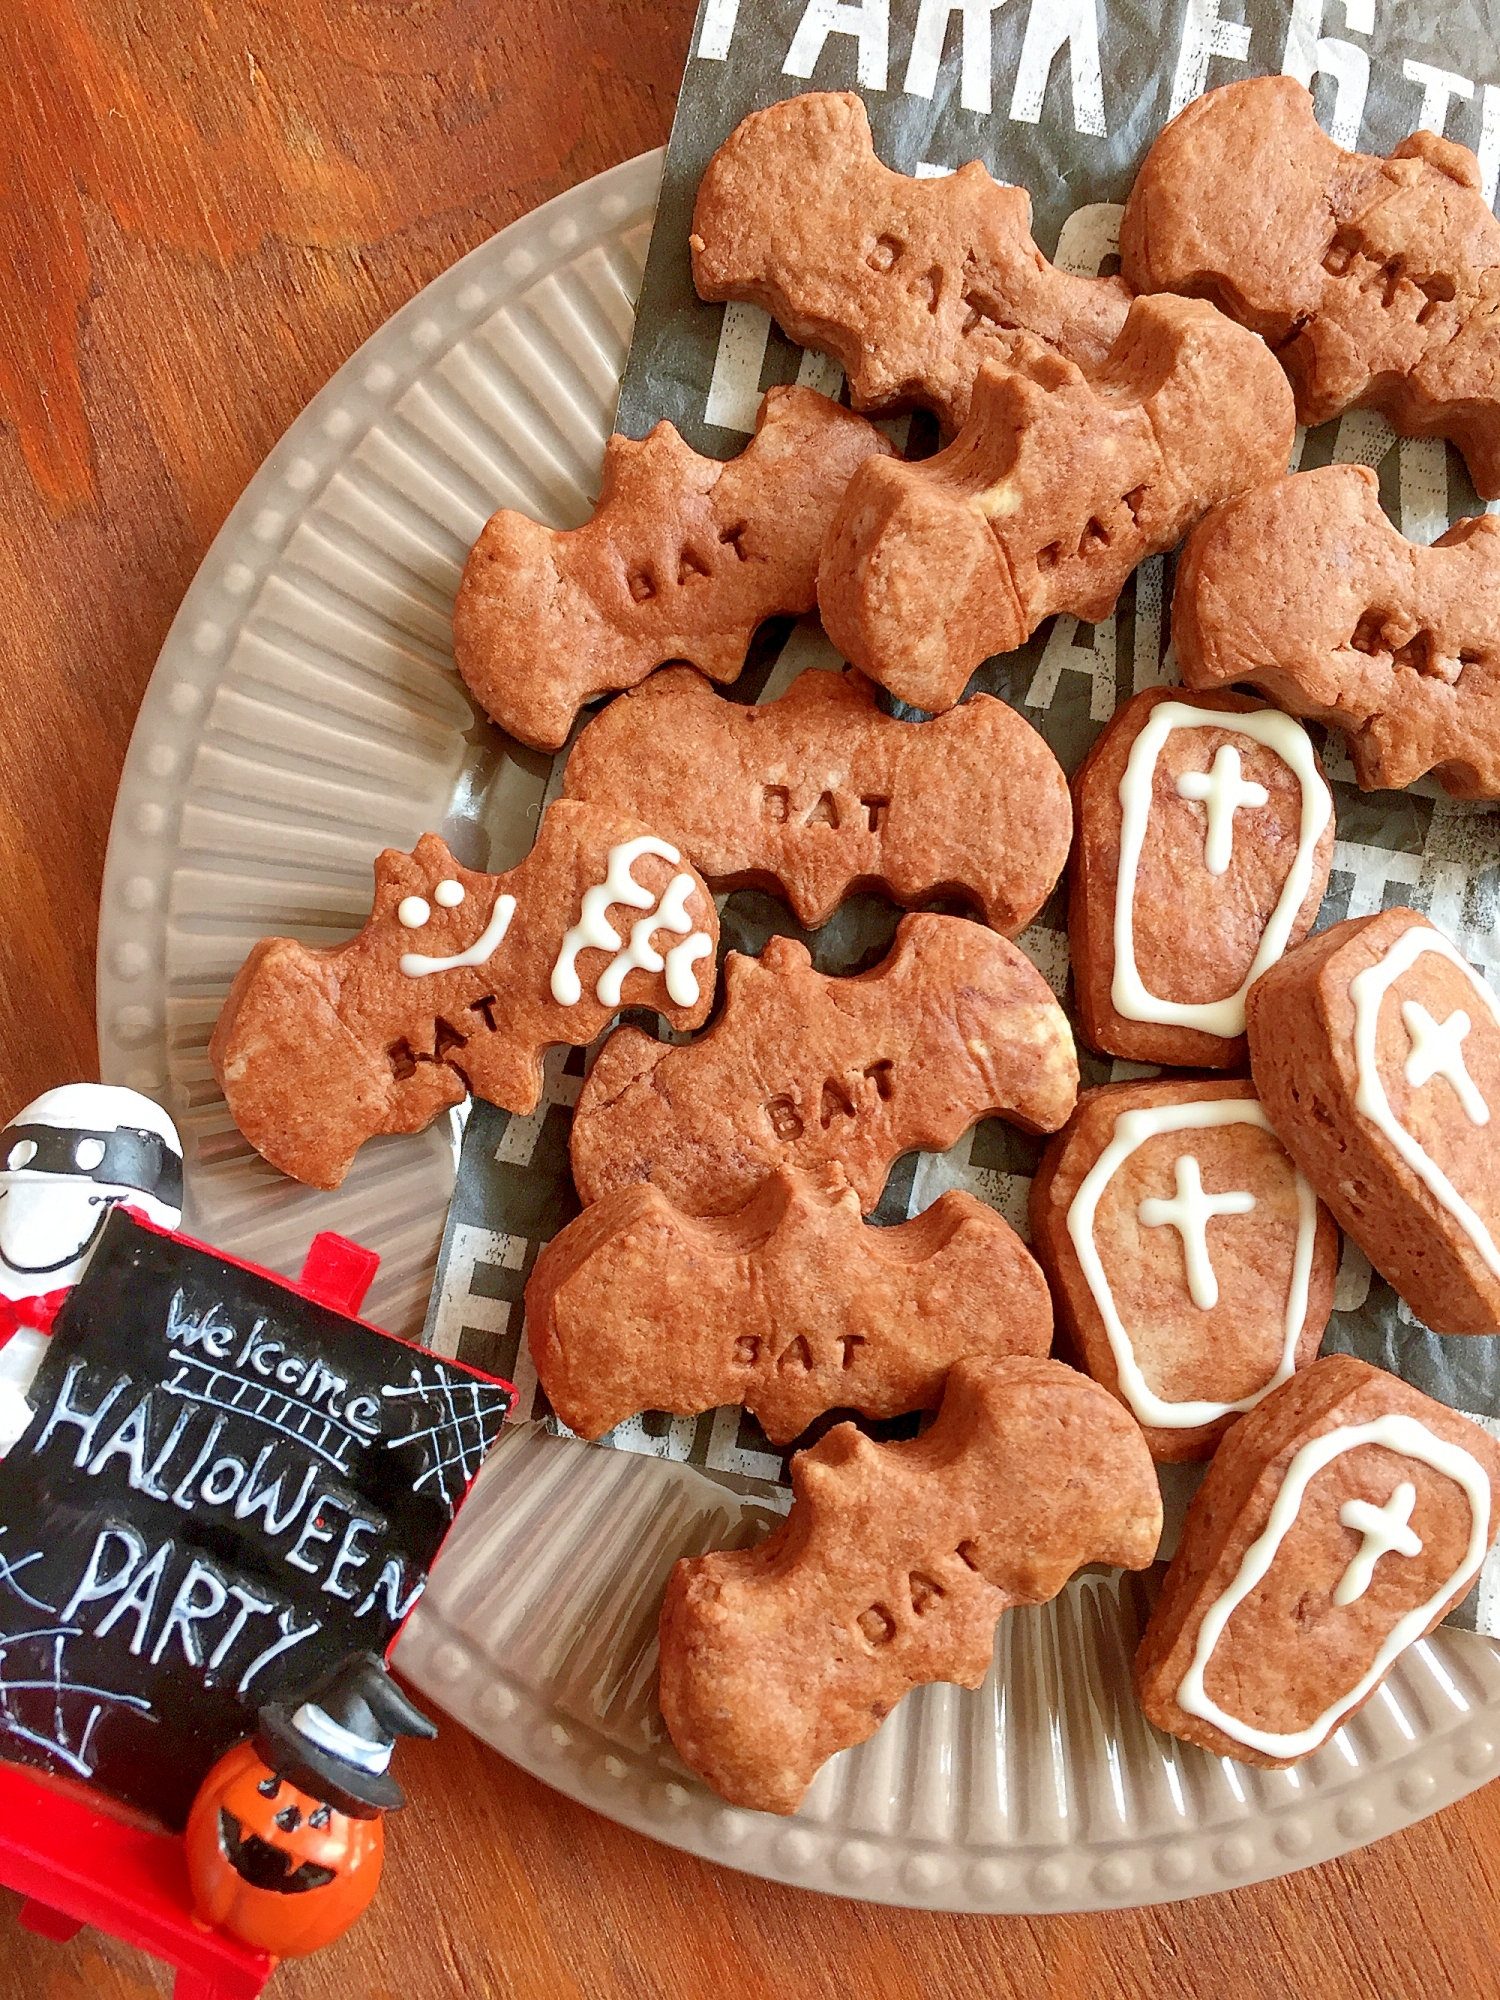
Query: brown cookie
1306, 589
457, 983
820, 793
682, 559
1057, 486
1376, 1051
892, 1569
1339, 1521
909, 284
1192, 1263
800, 1070
1203, 850
792, 1306
1375, 281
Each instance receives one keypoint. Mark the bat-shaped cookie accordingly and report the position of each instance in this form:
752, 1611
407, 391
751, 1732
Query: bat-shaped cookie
800, 1070
1375, 281
791, 1306
892, 1569
1375, 1047
1057, 486
1304, 588
909, 284
682, 559
457, 983
1337, 1524
821, 793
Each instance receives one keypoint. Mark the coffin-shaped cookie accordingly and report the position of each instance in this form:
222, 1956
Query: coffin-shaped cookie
1192, 1263
1375, 281
910, 284
459, 981
1338, 1522
892, 1569
1375, 1047
792, 1306
1205, 836
820, 793
800, 1070
1056, 487
682, 558
1304, 588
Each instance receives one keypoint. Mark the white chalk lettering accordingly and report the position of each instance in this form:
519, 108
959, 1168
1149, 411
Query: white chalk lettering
291, 1635
218, 1490
190, 1330
182, 1494
254, 1496
188, 1610
139, 1598
129, 1441
349, 1557
66, 1411
97, 1582
150, 1483
388, 1585
313, 1530
362, 1414
870, 23
249, 1606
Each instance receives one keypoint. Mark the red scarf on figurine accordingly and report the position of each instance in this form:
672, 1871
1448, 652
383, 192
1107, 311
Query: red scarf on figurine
38, 1312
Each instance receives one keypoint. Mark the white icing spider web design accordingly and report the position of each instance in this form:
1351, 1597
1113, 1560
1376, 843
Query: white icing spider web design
454, 1422
72, 1732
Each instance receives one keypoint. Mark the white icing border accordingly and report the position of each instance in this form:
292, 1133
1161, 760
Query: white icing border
1367, 989
1291, 743
1398, 1433
1132, 1130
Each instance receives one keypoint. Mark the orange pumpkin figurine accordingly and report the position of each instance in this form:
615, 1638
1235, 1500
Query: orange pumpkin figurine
285, 1839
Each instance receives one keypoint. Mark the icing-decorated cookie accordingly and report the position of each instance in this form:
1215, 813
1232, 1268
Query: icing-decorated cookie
911, 284
821, 792
682, 559
1373, 280
459, 981
1205, 836
1192, 1263
800, 1070
1056, 487
66, 1160
1375, 1048
1338, 1522
791, 1306
892, 1569
1396, 644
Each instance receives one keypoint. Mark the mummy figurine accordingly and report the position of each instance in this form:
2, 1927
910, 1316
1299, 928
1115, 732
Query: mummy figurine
70, 1157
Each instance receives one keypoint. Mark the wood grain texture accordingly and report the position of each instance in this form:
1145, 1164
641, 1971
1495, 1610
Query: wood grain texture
204, 209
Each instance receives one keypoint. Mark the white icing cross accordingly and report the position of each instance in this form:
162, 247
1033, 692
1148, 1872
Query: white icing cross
1437, 1050
1224, 791
1385, 1530
1190, 1214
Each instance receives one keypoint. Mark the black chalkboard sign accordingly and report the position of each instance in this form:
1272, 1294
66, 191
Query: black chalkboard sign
225, 1489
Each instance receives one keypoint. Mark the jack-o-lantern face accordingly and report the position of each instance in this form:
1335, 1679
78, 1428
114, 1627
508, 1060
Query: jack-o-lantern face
281, 1870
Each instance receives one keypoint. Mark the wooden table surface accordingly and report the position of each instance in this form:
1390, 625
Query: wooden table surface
205, 207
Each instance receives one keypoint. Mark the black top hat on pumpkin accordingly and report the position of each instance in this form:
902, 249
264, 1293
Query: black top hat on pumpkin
336, 1744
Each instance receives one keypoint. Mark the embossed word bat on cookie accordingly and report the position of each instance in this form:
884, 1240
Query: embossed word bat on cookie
909, 284
458, 982
1057, 486
1193, 1264
820, 793
892, 1569
1375, 1047
1304, 588
800, 1070
791, 1306
1376, 281
683, 557
1338, 1523
1205, 837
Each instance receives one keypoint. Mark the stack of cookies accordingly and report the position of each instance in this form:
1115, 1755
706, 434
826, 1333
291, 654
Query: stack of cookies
1184, 1227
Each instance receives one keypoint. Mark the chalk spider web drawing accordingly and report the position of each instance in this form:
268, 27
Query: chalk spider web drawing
454, 1423
71, 1735
10, 1571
